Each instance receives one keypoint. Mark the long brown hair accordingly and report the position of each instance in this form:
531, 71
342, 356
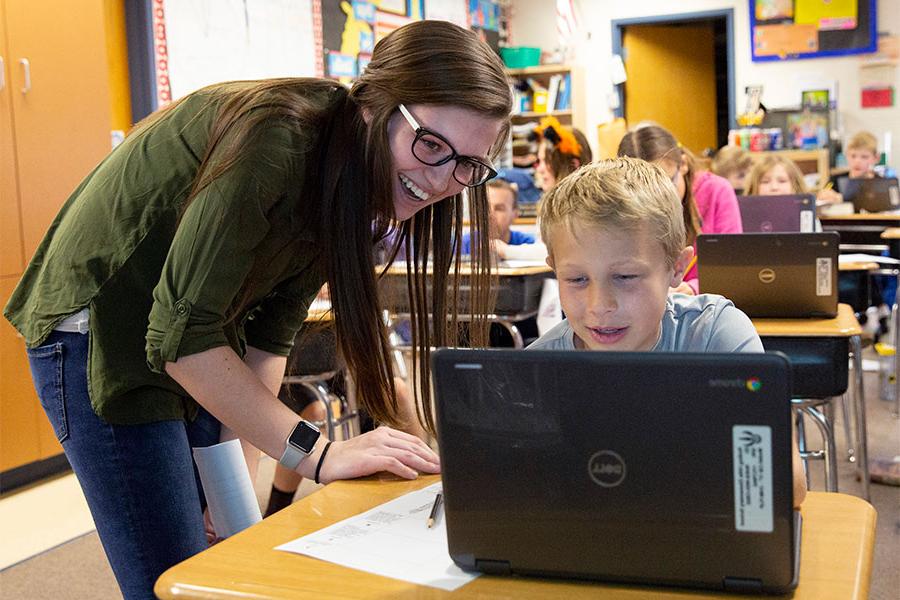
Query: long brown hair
653, 143
347, 193
434, 62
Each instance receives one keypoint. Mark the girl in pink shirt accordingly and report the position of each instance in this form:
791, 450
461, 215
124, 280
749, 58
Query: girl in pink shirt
709, 203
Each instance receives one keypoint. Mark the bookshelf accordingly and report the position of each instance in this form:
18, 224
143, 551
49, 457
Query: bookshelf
562, 88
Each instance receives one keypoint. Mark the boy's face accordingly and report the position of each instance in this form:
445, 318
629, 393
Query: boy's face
738, 179
502, 212
861, 161
613, 285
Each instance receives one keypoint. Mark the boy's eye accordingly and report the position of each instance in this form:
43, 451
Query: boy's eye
576, 280
626, 277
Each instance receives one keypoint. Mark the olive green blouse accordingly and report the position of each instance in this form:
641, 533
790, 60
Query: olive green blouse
159, 284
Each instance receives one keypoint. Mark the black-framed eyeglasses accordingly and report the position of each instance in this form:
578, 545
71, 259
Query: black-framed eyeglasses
432, 149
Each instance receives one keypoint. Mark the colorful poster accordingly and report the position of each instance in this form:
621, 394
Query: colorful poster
772, 10
827, 14
397, 7
387, 22
784, 40
484, 14
347, 32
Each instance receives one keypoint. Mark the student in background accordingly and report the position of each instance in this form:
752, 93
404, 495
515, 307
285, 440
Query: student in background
732, 163
503, 201
862, 155
615, 235
708, 202
176, 276
777, 175
561, 150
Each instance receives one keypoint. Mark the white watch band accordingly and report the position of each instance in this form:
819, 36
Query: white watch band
291, 457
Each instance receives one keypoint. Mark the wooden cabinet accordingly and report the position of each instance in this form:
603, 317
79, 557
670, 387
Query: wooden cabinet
64, 89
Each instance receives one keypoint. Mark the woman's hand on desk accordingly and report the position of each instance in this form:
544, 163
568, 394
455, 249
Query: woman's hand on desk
384, 449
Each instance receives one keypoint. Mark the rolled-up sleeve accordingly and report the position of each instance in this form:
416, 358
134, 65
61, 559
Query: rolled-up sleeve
213, 249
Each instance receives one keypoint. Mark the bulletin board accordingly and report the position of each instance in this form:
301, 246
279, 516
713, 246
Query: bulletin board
794, 29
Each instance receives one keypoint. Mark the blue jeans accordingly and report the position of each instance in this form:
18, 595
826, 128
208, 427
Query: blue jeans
139, 480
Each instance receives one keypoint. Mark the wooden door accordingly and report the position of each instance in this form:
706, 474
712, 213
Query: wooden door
20, 437
63, 120
11, 259
671, 73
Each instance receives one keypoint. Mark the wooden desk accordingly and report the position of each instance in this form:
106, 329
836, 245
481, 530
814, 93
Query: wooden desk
828, 342
835, 557
843, 325
891, 233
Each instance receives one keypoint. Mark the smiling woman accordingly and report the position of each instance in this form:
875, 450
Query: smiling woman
177, 274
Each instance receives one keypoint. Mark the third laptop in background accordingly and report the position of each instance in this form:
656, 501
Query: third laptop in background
876, 194
772, 214
787, 275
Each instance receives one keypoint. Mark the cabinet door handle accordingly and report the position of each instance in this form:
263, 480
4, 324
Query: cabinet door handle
26, 67
2, 73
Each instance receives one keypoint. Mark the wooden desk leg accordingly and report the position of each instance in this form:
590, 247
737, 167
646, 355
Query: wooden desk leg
862, 451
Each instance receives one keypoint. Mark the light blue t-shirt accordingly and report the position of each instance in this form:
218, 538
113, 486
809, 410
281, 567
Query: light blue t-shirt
704, 323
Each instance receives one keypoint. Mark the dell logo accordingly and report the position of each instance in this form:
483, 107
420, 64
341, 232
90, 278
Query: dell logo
766, 275
606, 468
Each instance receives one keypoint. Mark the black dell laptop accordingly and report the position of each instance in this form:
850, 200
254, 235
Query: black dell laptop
770, 214
876, 194
787, 275
656, 468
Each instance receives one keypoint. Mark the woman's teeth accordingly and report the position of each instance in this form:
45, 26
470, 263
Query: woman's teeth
414, 188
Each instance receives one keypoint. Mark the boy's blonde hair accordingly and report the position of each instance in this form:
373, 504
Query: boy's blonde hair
617, 194
769, 162
863, 141
731, 159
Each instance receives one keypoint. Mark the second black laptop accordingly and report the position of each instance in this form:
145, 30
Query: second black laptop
787, 275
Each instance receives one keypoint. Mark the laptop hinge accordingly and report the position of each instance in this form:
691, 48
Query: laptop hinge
743, 585
492, 567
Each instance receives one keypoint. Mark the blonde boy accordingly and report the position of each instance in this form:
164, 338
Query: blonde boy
862, 154
616, 240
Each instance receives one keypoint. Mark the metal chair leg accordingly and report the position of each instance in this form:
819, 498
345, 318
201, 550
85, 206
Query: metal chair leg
862, 463
846, 409
801, 442
829, 454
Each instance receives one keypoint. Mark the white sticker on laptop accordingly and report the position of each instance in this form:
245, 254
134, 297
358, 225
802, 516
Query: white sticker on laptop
807, 219
823, 276
752, 449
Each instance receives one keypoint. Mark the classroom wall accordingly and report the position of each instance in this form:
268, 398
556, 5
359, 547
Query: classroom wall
783, 80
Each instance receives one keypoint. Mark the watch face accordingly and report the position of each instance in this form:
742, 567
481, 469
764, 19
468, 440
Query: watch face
304, 437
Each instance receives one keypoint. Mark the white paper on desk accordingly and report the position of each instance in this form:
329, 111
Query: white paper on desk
391, 540
864, 258
521, 263
226, 484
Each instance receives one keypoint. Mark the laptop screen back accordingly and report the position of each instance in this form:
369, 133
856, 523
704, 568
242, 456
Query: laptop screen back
621, 466
767, 214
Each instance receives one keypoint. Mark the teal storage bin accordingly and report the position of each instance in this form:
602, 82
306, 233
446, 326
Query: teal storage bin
519, 57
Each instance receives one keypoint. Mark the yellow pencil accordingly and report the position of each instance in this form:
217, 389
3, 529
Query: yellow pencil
691, 265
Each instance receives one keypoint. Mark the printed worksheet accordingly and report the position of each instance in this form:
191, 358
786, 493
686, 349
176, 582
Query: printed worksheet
392, 540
